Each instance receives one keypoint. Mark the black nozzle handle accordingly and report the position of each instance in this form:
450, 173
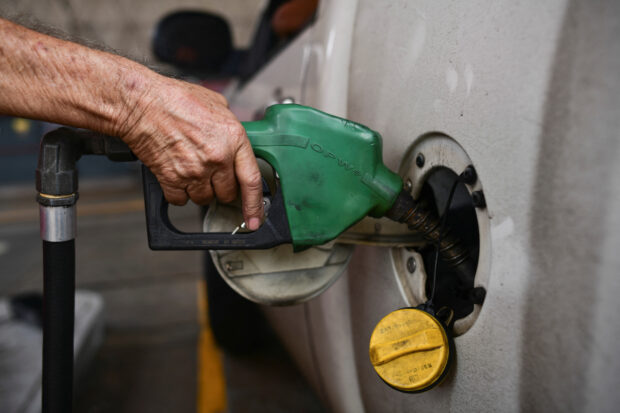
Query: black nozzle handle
163, 235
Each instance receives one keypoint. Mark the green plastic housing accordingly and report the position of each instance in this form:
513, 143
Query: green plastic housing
331, 170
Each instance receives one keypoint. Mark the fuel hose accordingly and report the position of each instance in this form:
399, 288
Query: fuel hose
58, 318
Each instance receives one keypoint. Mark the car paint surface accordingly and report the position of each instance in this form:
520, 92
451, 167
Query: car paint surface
531, 91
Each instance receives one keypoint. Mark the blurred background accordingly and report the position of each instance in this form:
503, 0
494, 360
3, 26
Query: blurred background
127, 26
151, 347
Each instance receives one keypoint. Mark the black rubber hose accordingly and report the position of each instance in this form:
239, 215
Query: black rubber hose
58, 319
422, 219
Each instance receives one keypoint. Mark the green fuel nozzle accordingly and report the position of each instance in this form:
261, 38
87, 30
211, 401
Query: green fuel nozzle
331, 175
331, 170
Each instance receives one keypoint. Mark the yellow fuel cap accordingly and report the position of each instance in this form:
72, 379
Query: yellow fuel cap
410, 350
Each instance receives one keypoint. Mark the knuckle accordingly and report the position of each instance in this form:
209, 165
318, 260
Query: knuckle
253, 181
200, 194
227, 197
193, 171
225, 186
218, 156
171, 182
236, 130
252, 209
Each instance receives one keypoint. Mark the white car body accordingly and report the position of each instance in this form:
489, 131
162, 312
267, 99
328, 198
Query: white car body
531, 91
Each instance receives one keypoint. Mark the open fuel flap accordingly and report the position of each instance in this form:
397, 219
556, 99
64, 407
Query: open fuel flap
276, 276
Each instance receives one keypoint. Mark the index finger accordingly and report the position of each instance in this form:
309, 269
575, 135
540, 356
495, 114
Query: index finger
251, 185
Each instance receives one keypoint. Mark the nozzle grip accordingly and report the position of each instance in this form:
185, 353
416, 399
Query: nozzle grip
163, 235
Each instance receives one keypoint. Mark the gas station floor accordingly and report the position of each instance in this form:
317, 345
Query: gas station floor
157, 346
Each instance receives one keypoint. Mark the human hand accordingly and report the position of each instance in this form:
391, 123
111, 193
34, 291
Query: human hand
184, 133
197, 149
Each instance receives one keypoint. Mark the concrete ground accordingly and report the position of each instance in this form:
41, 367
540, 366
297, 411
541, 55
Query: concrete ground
158, 354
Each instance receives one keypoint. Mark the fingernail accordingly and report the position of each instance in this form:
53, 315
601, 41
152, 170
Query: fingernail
253, 224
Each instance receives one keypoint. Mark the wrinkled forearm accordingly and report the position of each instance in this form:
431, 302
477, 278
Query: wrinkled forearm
184, 133
45, 78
